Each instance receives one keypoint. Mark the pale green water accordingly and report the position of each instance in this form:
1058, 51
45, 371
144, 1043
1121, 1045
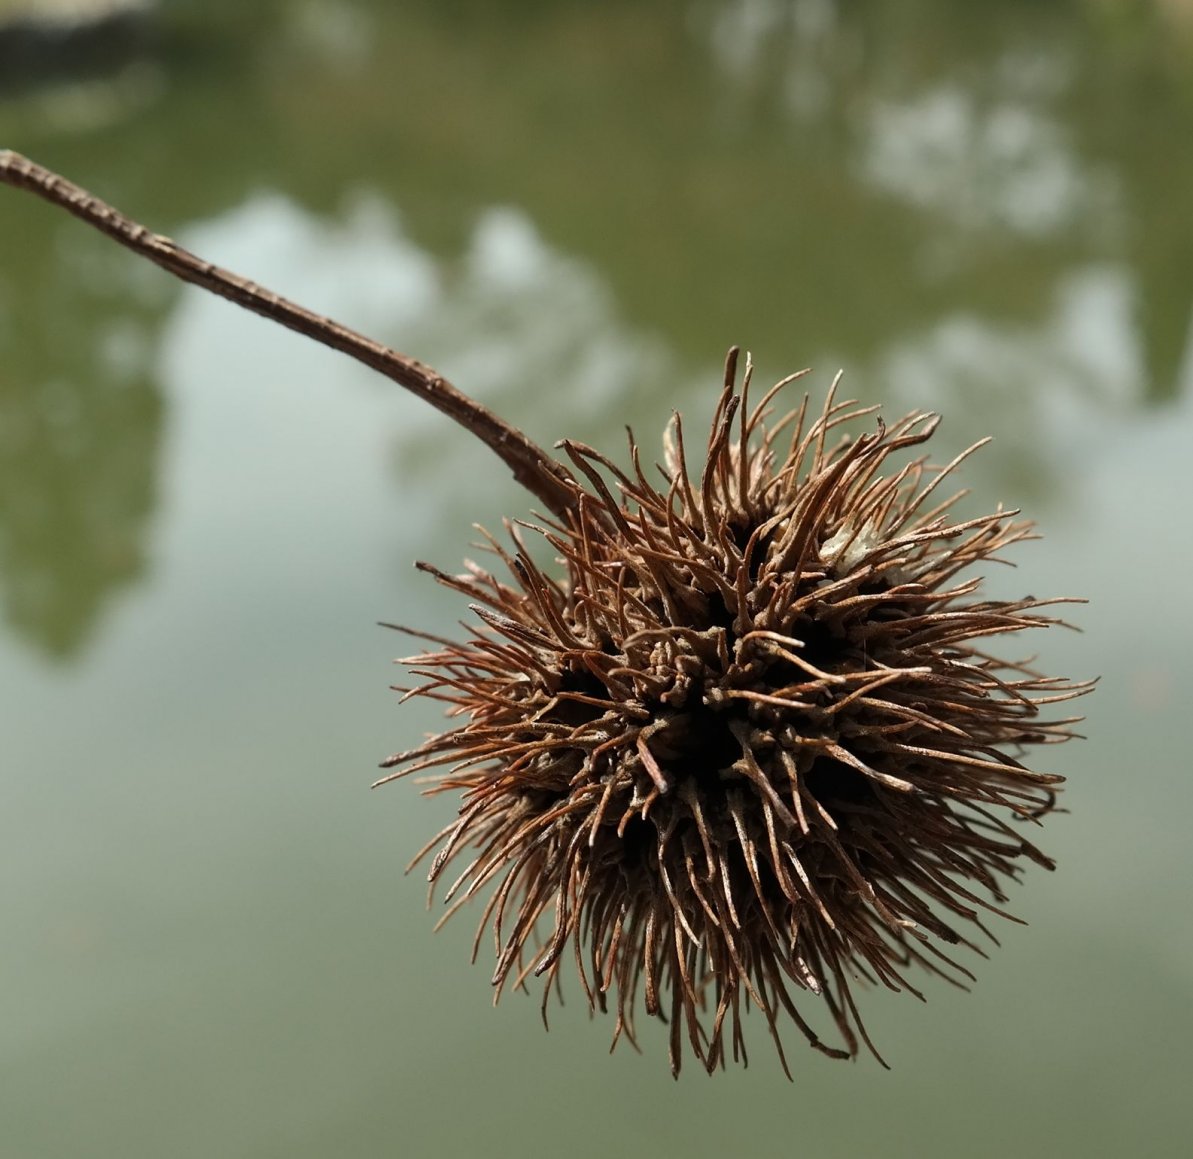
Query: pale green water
206, 942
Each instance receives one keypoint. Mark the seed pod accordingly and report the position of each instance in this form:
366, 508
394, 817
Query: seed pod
750, 746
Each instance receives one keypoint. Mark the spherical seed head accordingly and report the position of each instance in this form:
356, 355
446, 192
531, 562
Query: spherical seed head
750, 748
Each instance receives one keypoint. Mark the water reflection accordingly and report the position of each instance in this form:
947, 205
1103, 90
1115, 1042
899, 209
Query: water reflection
530, 330
1026, 142
1005, 167
603, 202
1037, 389
78, 443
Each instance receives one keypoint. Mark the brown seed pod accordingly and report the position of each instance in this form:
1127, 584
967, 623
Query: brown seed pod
750, 747
746, 748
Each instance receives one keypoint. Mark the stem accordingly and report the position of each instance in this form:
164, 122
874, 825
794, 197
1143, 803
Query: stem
538, 472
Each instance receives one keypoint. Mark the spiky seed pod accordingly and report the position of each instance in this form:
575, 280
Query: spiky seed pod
750, 746
746, 746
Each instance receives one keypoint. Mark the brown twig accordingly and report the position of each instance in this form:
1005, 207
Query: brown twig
538, 472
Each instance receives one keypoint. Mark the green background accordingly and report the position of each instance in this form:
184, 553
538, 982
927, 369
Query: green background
207, 944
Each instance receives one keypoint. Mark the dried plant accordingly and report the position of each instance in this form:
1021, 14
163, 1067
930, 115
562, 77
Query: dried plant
750, 745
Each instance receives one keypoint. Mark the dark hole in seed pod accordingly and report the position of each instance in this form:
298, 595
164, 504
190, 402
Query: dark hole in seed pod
823, 647
696, 745
874, 586
575, 713
712, 747
839, 789
639, 844
781, 673
719, 616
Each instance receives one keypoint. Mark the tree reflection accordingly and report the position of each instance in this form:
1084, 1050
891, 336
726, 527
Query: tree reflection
807, 177
78, 443
845, 183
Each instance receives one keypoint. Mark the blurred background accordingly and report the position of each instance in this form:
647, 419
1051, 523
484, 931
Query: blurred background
207, 944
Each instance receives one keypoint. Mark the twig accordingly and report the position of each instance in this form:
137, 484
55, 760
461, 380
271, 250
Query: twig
538, 472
